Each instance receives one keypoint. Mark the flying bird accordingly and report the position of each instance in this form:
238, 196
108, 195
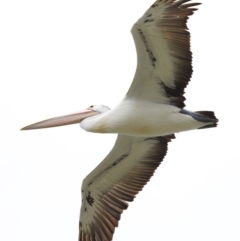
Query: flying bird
145, 120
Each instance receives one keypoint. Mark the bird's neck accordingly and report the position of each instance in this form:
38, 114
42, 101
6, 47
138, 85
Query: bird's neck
97, 123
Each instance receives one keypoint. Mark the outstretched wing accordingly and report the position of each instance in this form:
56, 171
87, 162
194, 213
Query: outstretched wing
107, 190
164, 59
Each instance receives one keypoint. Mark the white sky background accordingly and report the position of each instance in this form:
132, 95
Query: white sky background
58, 57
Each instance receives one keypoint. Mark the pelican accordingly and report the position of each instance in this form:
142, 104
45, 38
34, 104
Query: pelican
145, 120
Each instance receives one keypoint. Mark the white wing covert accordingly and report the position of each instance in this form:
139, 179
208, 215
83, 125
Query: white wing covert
164, 59
107, 190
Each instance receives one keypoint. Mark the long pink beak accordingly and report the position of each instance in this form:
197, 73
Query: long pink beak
62, 120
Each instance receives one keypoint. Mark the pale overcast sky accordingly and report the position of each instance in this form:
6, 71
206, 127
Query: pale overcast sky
58, 57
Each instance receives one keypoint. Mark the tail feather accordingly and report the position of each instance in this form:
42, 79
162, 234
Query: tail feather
203, 116
208, 115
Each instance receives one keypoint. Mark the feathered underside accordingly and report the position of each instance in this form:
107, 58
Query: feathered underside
107, 190
164, 59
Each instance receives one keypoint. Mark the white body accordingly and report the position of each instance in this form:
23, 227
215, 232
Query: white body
141, 118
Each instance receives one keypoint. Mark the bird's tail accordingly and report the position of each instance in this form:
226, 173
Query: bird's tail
207, 116
203, 116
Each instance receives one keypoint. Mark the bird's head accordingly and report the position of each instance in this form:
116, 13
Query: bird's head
69, 119
99, 108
